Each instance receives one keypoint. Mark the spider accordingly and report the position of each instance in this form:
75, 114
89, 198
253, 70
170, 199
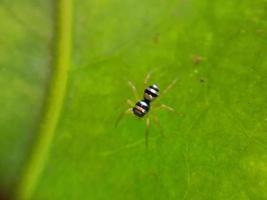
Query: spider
141, 108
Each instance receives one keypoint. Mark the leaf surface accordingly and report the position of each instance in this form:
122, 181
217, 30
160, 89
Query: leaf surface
216, 148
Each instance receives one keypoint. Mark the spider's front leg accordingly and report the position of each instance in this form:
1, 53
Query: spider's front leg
170, 86
147, 78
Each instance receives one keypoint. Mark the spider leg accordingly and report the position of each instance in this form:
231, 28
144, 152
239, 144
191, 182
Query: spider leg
156, 120
123, 114
169, 87
134, 90
147, 78
164, 106
130, 103
147, 131
168, 108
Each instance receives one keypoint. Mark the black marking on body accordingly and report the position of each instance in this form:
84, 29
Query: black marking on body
141, 108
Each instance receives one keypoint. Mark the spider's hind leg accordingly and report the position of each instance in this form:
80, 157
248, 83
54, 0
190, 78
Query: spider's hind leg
125, 112
167, 108
157, 122
130, 103
147, 131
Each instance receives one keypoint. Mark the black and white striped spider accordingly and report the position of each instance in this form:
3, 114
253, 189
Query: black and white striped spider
142, 107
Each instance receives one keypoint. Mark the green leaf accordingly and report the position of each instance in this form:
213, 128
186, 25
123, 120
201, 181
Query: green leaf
63, 144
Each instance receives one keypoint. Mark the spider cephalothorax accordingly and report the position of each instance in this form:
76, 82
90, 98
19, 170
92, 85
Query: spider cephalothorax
151, 92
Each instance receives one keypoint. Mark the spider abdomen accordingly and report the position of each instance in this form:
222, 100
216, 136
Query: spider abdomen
141, 108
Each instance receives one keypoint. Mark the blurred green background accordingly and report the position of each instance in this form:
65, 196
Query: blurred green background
216, 48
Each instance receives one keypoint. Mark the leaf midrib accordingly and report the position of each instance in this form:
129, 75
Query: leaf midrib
35, 163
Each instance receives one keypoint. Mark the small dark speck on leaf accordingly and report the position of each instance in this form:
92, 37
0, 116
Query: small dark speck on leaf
260, 31
202, 80
156, 39
197, 59
153, 173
